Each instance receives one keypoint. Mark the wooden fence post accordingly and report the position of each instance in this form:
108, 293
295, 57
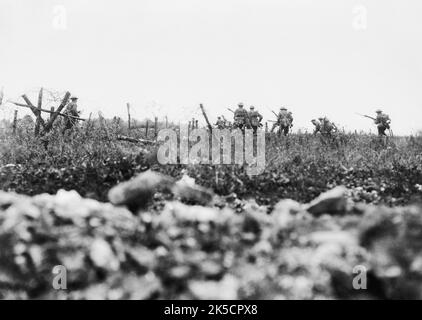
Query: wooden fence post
146, 129
52, 112
266, 127
49, 124
128, 115
1, 96
205, 116
15, 121
34, 110
156, 126
89, 125
38, 120
103, 125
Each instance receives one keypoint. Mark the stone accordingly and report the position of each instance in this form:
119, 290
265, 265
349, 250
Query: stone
330, 202
225, 289
7, 199
137, 192
184, 213
103, 256
285, 212
187, 190
338, 237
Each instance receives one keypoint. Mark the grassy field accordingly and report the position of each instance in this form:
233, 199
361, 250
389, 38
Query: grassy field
91, 160
248, 244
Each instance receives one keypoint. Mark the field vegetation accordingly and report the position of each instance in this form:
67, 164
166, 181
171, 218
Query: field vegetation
91, 160
252, 241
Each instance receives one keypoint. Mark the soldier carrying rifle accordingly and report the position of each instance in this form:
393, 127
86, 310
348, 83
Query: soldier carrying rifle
220, 124
382, 121
284, 121
241, 117
327, 127
255, 118
72, 111
317, 126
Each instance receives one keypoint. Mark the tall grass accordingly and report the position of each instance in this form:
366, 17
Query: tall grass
90, 159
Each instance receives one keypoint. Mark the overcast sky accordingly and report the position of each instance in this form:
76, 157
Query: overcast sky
325, 57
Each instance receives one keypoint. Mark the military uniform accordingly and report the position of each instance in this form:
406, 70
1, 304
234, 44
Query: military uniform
71, 110
241, 117
382, 121
255, 118
220, 124
317, 126
284, 120
227, 123
327, 128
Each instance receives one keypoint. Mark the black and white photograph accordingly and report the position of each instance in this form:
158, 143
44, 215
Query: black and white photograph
191, 150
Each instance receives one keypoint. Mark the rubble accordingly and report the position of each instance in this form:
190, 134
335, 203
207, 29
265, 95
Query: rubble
186, 189
137, 192
176, 250
332, 202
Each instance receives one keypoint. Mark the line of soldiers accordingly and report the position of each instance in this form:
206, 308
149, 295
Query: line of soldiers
328, 128
252, 120
242, 119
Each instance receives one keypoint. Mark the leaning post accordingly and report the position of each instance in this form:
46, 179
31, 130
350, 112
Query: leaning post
15, 121
128, 115
38, 120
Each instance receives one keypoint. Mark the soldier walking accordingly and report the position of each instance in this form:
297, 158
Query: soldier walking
284, 121
241, 117
220, 124
72, 111
317, 126
327, 128
383, 122
255, 118
227, 123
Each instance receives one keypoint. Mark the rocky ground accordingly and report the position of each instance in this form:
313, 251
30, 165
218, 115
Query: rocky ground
160, 238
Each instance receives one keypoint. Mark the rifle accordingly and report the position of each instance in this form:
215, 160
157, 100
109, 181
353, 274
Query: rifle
366, 116
230, 110
48, 111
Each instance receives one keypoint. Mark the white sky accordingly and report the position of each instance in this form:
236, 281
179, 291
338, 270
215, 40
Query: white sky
166, 57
